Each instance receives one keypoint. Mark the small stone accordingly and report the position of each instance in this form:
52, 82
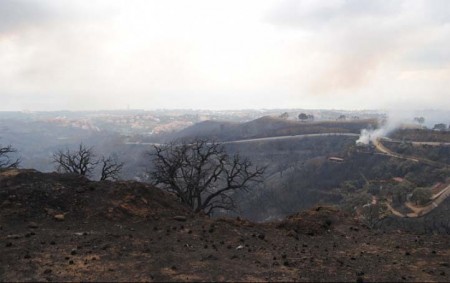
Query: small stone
73, 252
14, 236
59, 217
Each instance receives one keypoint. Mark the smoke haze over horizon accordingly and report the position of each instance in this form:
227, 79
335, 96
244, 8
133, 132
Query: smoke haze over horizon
110, 54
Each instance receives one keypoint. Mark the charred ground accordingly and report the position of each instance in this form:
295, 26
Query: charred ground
65, 228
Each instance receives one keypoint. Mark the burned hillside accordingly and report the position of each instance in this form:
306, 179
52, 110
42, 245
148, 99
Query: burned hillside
59, 227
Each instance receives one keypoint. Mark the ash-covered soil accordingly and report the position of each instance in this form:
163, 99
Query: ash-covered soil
65, 228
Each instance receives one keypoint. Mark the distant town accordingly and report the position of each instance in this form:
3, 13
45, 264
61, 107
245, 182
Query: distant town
153, 122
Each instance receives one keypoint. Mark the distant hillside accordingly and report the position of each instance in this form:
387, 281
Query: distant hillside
421, 135
268, 127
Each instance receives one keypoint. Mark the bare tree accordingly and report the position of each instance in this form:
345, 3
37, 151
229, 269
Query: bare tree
302, 117
6, 162
419, 120
81, 161
111, 168
342, 117
201, 174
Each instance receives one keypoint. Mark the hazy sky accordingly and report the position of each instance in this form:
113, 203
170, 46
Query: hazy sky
107, 54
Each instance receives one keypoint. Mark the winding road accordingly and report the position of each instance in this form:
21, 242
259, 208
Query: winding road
381, 148
419, 211
437, 199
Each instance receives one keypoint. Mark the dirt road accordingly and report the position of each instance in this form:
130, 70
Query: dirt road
380, 147
419, 211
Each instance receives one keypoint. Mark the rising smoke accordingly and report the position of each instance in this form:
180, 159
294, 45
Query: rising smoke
370, 135
394, 120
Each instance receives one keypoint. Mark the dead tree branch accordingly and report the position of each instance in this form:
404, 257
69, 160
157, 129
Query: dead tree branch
201, 174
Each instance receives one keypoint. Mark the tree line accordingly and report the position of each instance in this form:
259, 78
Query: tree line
200, 173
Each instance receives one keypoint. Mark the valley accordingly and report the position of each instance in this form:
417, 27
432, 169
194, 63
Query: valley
328, 207
307, 163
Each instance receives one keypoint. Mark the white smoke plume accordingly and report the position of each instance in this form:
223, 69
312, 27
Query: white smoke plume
370, 135
395, 119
